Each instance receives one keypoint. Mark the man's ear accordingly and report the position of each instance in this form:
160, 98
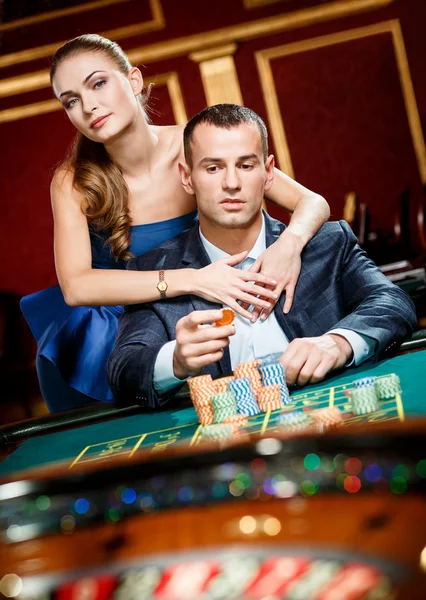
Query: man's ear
269, 168
136, 80
185, 175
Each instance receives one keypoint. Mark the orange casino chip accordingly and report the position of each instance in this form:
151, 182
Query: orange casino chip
227, 317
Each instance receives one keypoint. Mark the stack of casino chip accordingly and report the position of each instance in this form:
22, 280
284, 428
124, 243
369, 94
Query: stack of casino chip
221, 385
201, 390
224, 405
327, 417
269, 398
250, 370
245, 398
295, 420
273, 374
218, 431
387, 387
236, 421
363, 396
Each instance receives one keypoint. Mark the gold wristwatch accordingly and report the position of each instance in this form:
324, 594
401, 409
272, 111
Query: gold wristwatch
161, 285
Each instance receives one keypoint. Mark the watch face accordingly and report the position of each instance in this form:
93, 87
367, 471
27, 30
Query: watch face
162, 286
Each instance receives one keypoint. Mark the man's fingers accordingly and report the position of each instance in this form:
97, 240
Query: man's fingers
199, 317
294, 359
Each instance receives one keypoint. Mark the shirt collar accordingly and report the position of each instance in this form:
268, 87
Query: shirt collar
215, 253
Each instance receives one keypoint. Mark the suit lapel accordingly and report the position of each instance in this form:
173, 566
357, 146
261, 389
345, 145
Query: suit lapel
194, 256
292, 322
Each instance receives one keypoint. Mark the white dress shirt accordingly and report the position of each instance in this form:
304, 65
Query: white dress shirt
251, 340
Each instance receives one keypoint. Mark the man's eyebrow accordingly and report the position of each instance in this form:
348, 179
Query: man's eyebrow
68, 92
208, 159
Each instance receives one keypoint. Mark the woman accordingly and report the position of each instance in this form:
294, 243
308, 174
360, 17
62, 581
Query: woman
119, 194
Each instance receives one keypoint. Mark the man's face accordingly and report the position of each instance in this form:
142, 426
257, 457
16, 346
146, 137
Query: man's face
229, 175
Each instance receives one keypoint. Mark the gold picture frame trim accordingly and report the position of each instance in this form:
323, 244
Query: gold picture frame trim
57, 14
156, 23
258, 3
263, 60
169, 79
200, 41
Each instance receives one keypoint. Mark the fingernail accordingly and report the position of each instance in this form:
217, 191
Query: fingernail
267, 304
263, 317
275, 296
274, 281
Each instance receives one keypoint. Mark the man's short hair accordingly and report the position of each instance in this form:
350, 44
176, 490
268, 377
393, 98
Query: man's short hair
226, 116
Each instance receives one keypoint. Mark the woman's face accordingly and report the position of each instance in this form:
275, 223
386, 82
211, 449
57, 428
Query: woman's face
98, 98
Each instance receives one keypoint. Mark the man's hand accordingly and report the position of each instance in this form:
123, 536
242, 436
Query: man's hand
308, 360
198, 342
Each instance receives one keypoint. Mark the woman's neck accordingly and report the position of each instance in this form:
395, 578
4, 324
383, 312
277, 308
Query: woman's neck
134, 149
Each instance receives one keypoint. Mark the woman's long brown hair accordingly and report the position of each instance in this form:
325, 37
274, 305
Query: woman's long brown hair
106, 204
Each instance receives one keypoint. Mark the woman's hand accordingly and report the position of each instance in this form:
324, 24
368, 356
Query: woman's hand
282, 262
220, 282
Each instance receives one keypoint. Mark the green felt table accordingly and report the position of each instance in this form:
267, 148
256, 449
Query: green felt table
155, 432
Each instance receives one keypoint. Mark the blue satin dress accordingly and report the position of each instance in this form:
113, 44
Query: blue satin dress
74, 342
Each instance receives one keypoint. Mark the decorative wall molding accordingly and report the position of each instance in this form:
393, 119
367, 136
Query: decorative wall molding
256, 3
170, 79
219, 74
200, 41
155, 24
264, 57
57, 14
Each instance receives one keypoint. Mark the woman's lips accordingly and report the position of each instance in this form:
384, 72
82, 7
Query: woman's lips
100, 121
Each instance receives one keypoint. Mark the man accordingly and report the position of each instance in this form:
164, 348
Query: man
345, 311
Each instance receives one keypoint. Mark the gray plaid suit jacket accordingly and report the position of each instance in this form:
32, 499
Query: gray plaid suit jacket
338, 287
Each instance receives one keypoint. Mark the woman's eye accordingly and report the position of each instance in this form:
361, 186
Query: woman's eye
100, 84
71, 103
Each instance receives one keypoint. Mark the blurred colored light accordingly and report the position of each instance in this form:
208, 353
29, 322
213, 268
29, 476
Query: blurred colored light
42, 503
67, 524
373, 473
327, 464
352, 484
312, 462
81, 506
401, 471
113, 515
353, 466
340, 481
118, 492
268, 486
185, 494
128, 495
398, 485
309, 488
219, 489
340, 459
244, 479
421, 468
271, 526
285, 489
236, 488
146, 502
10, 585
247, 525
258, 465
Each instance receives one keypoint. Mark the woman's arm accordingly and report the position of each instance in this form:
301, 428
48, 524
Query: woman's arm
310, 210
84, 286
282, 260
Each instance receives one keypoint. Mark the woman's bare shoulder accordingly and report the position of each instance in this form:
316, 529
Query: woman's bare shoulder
171, 138
62, 187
